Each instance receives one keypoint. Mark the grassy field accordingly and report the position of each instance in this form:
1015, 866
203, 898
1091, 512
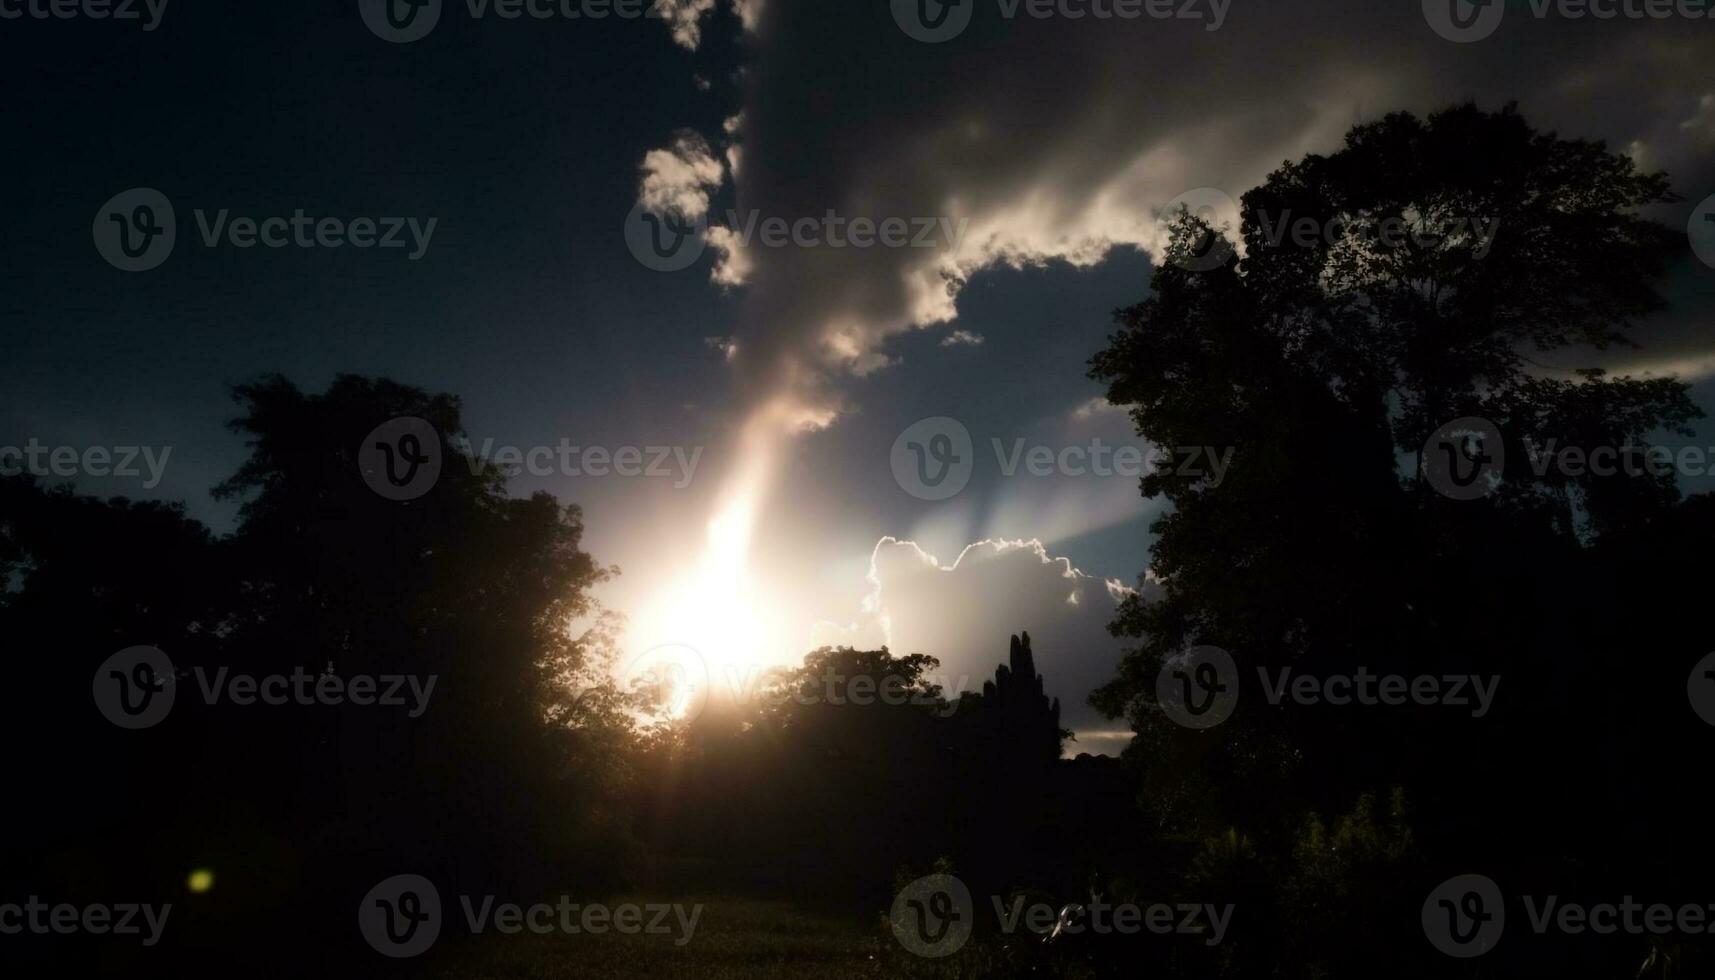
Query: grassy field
739, 939
735, 939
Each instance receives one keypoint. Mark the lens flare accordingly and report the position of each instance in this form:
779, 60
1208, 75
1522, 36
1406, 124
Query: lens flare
716, 606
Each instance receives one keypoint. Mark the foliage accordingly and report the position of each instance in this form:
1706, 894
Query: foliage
1326, 366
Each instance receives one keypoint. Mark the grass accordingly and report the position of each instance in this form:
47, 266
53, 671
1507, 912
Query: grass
734, 939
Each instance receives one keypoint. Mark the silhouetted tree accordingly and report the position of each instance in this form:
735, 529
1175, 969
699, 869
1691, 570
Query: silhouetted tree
300, 808
1013, 717
1326, 365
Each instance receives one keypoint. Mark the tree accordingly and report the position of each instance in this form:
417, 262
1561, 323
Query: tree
299, 808
463, 583
1327, 362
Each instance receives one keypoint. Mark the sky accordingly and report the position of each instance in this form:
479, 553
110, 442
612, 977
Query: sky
1025, 161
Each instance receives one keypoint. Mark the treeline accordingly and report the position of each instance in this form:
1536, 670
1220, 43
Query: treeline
1390, 510
357, 687
443, 628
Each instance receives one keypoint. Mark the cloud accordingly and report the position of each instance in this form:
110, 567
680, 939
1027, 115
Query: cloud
1094, 408
727, 346
1051, 158
684, 19
1700, 126
678, 179
733, 263
962, 338
962, 613
749, 12
1059, 141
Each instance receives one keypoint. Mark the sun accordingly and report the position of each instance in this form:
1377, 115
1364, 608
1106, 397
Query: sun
716, 606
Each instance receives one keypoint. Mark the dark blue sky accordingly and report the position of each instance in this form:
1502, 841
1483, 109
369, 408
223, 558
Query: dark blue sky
524, 140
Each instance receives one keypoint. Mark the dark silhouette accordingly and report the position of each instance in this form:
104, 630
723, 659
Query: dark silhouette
1355, 533
297, 807
1328, 364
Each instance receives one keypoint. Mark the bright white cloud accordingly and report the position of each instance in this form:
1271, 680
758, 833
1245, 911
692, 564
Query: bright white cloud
684, 19
1052, 159
678, 179
962, 613
1094, 408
